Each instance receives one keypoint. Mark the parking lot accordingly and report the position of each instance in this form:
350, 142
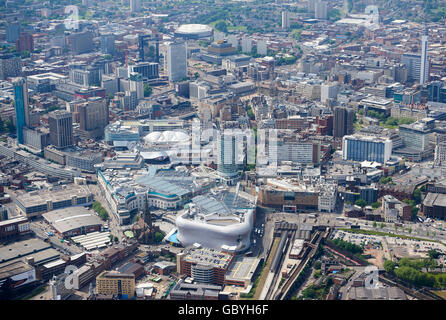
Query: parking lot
392, 246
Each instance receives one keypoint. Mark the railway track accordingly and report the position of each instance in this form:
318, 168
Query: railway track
283, 293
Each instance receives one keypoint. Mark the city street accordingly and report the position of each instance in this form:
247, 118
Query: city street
113, 223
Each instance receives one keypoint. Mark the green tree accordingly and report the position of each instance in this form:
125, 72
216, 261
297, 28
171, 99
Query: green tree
147, 90
389, 266
116, 239
221, 26
417, 195
376, 205
10, 126
375, 224
434, 254
361, 202
25, 54
385, 180
159, 236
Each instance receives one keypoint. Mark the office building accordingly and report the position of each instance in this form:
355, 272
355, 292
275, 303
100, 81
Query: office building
12, 31
320, 10
25, 42
440, 153
81, 42
230, 155
343, 122
222, 48
436, 91
93, 117
107, 43
36, 138
329, 92
413, 65
311, 5
44, 82
85, 76
300, 152
116, 283
285, 20
137, 85
177, 61
415, 135
359, 148
262, 47
148, 70
10, 65
424, 67
135, 6
21, 102
246, 45
61, 128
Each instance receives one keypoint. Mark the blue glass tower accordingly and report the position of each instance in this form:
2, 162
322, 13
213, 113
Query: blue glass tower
21, 107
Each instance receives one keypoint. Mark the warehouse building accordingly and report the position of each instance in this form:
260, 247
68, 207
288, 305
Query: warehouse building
17, 273
14, 227
35, 203
434, 205
36, 251
73, 221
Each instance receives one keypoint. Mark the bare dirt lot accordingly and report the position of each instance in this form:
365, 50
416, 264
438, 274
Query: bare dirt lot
377, 259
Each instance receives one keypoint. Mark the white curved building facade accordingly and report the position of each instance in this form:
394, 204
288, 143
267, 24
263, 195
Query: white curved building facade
212, 235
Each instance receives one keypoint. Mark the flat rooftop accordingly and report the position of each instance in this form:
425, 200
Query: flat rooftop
207, 256
21, 249
54, 194
72, 218
12, 268
243, 268
116, 274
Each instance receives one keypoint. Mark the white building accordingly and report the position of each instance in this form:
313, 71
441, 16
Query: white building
424, 69
177, 61
262, 47
320, 10
285, 20
246, 45
327, 198
214, 223
329, 91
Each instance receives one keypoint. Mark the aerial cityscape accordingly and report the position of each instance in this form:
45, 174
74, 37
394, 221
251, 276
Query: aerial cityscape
235, 150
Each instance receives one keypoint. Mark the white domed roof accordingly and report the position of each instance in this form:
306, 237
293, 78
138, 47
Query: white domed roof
166, 137
194, 28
